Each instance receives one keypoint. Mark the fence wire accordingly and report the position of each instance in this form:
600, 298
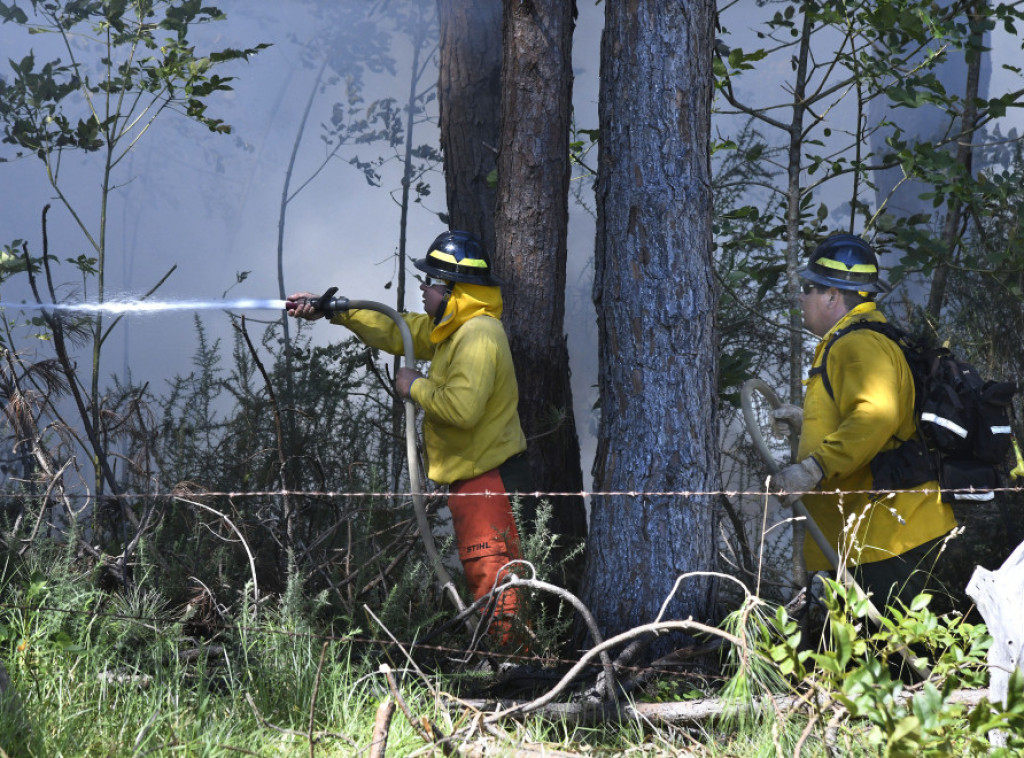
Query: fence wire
590, 494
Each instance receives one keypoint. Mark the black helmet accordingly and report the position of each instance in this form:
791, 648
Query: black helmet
458, 257
846, 262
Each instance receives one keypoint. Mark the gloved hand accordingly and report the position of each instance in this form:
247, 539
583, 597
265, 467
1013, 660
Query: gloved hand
787, 415
303, 305
311, 307
797, 479
404, 379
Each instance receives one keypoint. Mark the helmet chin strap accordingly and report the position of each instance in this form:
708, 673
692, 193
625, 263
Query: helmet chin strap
444, 303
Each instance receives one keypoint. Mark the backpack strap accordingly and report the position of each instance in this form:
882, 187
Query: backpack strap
882, 327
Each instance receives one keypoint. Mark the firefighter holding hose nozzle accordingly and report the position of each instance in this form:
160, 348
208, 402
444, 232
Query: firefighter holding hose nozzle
469, 396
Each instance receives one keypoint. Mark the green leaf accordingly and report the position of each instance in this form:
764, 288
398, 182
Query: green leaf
13, 14
37, 586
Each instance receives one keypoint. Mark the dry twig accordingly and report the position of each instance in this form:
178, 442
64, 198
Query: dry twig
427, 729
381, 726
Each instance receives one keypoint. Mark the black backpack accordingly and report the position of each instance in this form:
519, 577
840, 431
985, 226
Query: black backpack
963, 422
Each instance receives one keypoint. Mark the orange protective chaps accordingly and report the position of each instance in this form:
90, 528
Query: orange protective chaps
485, 531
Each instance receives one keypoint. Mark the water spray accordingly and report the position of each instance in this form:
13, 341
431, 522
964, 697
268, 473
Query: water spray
124, 307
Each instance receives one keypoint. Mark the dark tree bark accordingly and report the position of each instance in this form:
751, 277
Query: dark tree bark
655, 296
531, 222
469, 99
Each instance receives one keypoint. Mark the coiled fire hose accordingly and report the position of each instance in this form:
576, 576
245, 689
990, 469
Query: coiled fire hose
330, 304
754, 429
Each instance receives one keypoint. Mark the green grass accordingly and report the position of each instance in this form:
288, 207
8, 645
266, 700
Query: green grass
70, 707
101, 674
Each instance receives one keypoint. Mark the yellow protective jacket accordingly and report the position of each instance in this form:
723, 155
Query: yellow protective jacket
469, 397
872, 410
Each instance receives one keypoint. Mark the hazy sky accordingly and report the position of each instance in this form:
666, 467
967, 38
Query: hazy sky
210, 204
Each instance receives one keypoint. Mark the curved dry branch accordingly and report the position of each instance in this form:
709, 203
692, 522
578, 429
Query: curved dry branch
688, 625
631, 650
538, 584
241, 538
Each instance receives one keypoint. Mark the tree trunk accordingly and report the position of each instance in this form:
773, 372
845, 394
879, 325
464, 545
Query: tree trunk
655, 296
469, 101
419, 39
531, 222
952, 231
794, 261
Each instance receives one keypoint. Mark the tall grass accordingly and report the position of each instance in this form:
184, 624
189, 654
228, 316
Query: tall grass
100, 675
96, 673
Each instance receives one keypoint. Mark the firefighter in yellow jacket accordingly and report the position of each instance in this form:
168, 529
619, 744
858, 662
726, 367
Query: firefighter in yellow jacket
858, 434
469, 396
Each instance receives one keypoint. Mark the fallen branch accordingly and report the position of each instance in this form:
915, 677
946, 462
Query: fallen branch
385, 669
536, 584
640, 643
688, 625
427, 729
241, 539
381, 726
682, 713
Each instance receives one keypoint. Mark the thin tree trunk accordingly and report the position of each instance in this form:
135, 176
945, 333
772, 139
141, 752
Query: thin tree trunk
655, 297
531, 222
951, 230
794, 259
398, 450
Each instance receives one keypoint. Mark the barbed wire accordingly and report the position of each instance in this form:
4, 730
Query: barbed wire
393, 495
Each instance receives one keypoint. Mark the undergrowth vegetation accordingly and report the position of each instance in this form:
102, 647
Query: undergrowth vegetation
95, 672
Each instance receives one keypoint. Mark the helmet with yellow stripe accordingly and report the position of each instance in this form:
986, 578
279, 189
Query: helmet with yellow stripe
846, 262
458, 256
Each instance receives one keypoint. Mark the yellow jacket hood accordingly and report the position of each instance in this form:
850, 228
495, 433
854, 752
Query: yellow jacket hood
465, 302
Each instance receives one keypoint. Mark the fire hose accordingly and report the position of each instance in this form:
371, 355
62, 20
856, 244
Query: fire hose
329, 304
755, 430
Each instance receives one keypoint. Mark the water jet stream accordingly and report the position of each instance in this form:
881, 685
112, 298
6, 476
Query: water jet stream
121, 307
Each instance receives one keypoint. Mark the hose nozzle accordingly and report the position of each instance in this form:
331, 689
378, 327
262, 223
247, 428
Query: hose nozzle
327, 303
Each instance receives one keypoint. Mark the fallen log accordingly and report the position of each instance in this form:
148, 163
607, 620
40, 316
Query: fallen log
681, 713
381, 728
